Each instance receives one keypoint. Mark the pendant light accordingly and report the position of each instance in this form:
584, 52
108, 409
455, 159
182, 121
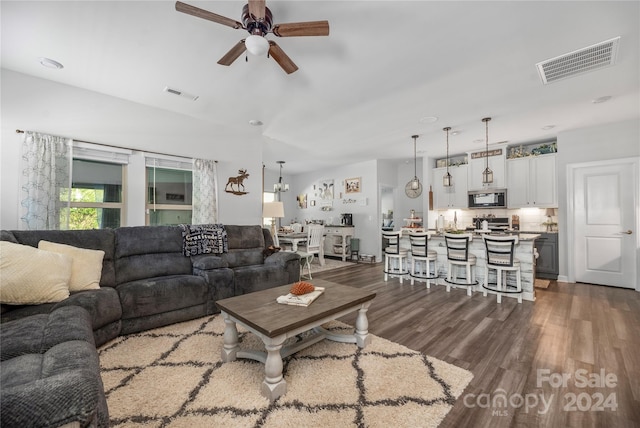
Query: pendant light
279, 186
446, 179
413, 189
487, 174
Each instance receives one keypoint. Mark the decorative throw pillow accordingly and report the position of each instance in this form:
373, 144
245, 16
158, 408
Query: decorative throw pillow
86, 265
204, 239
29, 276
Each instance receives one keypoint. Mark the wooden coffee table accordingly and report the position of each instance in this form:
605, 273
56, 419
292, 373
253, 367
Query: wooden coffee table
274, 323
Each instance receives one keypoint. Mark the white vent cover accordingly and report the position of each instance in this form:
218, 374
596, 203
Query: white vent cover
580, 61
180, 93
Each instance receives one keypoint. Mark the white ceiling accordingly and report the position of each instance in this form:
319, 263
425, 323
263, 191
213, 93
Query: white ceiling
359, 94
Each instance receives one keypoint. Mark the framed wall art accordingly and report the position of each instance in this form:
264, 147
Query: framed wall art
302, 200
325, 189
352, 185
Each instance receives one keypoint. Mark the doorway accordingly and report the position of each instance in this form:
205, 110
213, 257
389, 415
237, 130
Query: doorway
603, 216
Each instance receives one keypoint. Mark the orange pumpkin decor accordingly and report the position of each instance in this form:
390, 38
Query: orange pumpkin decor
302, 287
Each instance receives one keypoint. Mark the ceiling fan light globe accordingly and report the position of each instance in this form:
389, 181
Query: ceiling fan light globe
257, 45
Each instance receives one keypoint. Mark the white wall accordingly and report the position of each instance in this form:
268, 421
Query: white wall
34, 104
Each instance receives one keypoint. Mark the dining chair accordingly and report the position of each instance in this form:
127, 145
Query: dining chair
312, 247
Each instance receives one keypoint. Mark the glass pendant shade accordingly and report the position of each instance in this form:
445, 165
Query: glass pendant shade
487, 174
446, 179
413, 189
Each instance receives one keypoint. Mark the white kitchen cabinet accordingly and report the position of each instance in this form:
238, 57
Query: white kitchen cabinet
532, 182
454, 196
477, 166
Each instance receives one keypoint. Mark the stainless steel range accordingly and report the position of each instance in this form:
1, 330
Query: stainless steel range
496, 224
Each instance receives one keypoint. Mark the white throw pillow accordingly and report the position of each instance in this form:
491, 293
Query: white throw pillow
86, 266
29, 276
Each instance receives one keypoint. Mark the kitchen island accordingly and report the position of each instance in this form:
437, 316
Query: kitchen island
525, 252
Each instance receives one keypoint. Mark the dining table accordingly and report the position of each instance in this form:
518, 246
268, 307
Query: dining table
292, 238
295, 238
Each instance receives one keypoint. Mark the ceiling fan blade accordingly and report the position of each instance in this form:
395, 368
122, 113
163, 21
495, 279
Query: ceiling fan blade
256, 8
205, 14
281, 58
233, 54
293, 29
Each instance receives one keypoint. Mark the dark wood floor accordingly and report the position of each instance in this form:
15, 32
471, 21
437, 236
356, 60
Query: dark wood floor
519, 351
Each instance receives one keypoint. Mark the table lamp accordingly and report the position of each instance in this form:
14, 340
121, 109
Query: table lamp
273, 210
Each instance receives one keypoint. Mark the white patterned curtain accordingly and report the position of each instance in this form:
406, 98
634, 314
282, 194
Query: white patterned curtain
46, 171
205, 192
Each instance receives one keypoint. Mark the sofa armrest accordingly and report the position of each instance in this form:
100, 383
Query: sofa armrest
282, 257
207, 262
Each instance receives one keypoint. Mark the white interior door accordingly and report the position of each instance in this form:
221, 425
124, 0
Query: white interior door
604, 222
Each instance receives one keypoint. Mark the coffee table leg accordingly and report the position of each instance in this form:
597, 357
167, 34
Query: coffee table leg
274, 384
230, 348
362, 327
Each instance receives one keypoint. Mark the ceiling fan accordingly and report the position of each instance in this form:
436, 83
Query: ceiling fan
258, 21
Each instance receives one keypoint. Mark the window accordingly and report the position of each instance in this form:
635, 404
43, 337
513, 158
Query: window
268, 197
95, 196
169, 193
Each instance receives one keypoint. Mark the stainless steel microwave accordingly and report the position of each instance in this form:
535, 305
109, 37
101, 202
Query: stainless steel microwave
488, 199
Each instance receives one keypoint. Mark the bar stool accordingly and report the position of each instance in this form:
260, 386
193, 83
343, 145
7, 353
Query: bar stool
458, 256
500, 256
422, 257
395, 258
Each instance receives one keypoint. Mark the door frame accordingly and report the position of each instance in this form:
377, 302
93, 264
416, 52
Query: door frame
635, 163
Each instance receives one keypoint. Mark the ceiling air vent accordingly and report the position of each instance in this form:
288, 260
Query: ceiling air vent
180, 93
581, 61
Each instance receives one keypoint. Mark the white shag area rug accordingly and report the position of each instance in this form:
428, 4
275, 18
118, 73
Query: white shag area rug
173, 377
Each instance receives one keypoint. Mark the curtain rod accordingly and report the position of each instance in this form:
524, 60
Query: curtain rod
20, 131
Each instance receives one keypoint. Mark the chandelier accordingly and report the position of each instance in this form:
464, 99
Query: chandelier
279, 186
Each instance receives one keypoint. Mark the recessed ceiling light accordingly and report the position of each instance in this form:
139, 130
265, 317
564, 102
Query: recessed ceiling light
479, 141
601, 99
428, 119
548, 127
456, 133
49, 63
255, 122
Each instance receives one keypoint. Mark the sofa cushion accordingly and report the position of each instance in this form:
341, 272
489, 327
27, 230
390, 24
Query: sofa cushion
245, 237
60, 386
96, 239
204, 239
149, 252
247, 257
32, 276
38, 333
86, 265
161, 294
256, 278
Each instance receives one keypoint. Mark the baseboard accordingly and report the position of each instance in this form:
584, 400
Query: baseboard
562, 278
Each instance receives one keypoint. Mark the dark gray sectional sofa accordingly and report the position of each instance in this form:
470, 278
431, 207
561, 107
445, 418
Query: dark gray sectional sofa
146, 282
